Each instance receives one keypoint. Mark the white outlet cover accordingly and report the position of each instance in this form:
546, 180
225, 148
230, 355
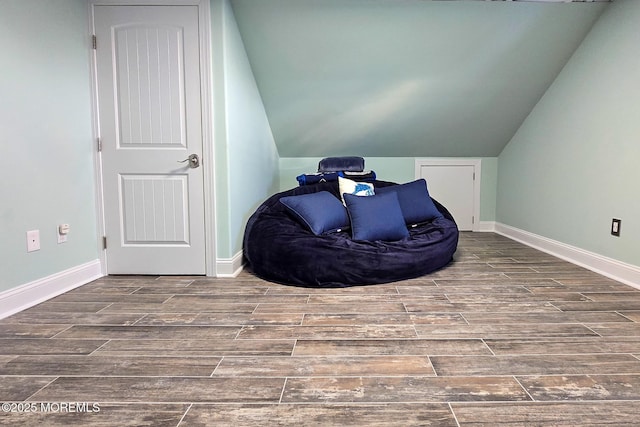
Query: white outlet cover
33, 240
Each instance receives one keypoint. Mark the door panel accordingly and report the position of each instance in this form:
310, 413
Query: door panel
149, 106
453, 186
155, 209
149, 90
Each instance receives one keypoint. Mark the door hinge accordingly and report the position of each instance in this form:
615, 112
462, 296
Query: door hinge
473, 219
104, 242
99, 141
474, 176
94, 42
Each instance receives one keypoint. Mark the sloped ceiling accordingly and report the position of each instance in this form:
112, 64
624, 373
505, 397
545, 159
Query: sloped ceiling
405, 78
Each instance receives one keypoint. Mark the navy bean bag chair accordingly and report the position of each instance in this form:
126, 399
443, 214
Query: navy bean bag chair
281, 246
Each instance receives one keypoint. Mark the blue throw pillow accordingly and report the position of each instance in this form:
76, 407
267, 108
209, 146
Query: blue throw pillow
415, 202
376, 217
320, 212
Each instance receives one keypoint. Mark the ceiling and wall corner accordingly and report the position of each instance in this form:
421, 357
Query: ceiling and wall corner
381, 78
405, 78
522, 80
246, 155
573, 164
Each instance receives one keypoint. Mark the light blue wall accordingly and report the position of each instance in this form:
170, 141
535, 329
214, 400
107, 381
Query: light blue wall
573, 165
246, 156
410, 78
488, 188
396, 169
46, 142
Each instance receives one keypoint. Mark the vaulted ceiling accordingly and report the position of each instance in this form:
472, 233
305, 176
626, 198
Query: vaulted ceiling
406, 78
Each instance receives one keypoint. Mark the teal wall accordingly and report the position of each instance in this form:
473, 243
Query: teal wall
410, 78
246, 164
573, 164
46, 143
397, 169
488, 188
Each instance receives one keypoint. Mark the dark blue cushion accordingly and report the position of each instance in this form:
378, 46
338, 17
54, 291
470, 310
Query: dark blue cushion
415, 202
337, 164
314, 178
320, 212
376, 217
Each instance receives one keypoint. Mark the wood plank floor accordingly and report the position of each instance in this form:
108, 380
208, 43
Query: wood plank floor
505, 335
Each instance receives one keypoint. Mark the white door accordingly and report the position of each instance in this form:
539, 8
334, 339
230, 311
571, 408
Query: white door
454, 186
149, 110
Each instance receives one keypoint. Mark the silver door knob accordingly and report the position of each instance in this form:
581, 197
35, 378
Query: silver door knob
193, 159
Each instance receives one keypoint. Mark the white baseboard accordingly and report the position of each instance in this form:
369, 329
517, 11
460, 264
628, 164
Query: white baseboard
486, 226
229, 267
609, 267
24, 296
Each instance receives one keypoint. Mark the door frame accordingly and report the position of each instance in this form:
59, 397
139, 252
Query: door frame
206, 96
452, 161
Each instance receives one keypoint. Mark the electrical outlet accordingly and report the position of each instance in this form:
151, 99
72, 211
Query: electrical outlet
615, 226
33, 240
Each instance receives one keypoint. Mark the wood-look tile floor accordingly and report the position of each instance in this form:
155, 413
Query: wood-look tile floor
506, 335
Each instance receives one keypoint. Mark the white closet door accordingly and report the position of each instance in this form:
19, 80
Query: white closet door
149, 107
454, 185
